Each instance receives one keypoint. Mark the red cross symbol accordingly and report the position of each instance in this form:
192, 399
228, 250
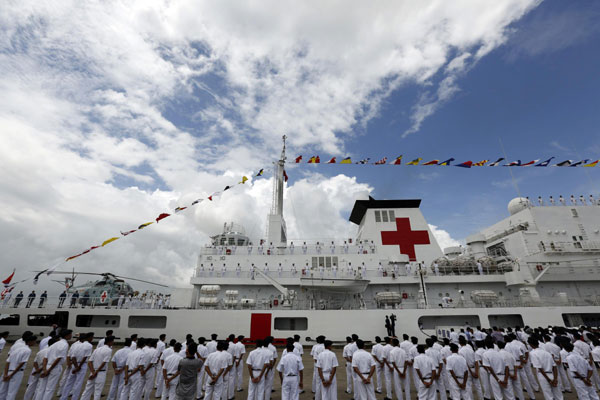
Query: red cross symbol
103, 297
405, 238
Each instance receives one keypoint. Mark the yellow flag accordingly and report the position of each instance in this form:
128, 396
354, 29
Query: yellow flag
480, 163
592, 164
244, 179
107, 241
346, 160
416, 161
142, 226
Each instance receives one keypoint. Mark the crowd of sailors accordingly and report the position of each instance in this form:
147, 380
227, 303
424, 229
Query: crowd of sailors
488, 363
148, 300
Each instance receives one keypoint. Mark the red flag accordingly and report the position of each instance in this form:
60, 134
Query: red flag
285, 177
298, 159
332, 161
162, 216
180, 209
126, 233
210, 197
382, 161
72, 257
6, 282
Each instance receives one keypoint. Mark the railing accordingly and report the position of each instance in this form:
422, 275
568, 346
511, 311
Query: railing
580, 246
320, 248
70, 302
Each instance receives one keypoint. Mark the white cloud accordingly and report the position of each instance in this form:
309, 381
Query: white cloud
104, 123
443, 237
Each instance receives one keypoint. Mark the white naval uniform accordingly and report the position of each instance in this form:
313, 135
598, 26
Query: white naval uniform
387, 373
233, 349
133, 389
377, 351
398, 360
47, 385
34, 379
67, 367
211, 347
518, 350
426, 366
458, 364
227, 376
290, 366
316, 388
513, 364
347, 352
120, 359
326, 362
554, 350
257, 359
468, 354
171, 366
542, 360
151, 357
101, 355
579, 364
239, 369
74, 382
203, 352
438, 383
9, 389
158, 377
363, 361
496, 362
215, 362
484, 377
271, 373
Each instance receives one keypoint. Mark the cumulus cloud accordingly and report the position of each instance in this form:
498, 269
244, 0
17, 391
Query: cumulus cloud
443, 237
112, 112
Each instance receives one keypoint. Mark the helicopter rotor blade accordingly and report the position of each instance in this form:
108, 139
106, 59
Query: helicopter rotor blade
139, 280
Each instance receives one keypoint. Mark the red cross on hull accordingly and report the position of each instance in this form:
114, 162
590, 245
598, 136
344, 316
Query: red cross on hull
405, 238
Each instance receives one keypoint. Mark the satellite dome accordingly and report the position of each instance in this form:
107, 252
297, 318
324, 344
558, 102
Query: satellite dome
518, 204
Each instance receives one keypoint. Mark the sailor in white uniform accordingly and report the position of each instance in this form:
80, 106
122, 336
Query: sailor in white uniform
170, 372
79, 357
466, 351
290, 370
399, 362
239, 366
425, 370
459, 381
132, 380
363, 366
434, 353
327, 364
498, 372
216, 365
258, 361
332, 248
547, 372
13, 369
581, 374
314, 352
53, 362
271, 370
291, 248
388, 368
118, 363
347, 354
97, 365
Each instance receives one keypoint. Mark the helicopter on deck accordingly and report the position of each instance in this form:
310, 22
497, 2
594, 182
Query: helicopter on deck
106, 290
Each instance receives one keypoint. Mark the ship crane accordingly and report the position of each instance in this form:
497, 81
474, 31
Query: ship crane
288, 295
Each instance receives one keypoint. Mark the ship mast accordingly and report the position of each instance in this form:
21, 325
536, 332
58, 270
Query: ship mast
276, 224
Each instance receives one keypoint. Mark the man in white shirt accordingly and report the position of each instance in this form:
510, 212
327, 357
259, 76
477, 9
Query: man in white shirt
132, 379
377, 353
327, 364
97, 365
581, 374
119, 361
229, 358
453, 336
234, 350
519, 351
215, 367
150, 361
43, 342
258, 361
363, 366
347, 354
315, 351
13, 369
290, 370
38, 367
399, 361
101, 341
497, 370
459, 382
271, 370
52, 364
513, 375
239, 366
160, 347
170, 371
466, 351
484, 376
425, 370
388, 369
438, 380
202, 354
547, 372
79, 357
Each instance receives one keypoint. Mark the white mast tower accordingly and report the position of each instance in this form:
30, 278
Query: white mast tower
276, 224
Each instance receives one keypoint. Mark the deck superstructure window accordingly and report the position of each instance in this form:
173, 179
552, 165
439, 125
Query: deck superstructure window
574, 212
147, 322
326, 262
97, 321
384, 216
40, 320
11, 320
377, 216
291, 324
392, 216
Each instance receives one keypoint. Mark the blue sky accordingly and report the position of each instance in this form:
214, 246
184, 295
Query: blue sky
114, 113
